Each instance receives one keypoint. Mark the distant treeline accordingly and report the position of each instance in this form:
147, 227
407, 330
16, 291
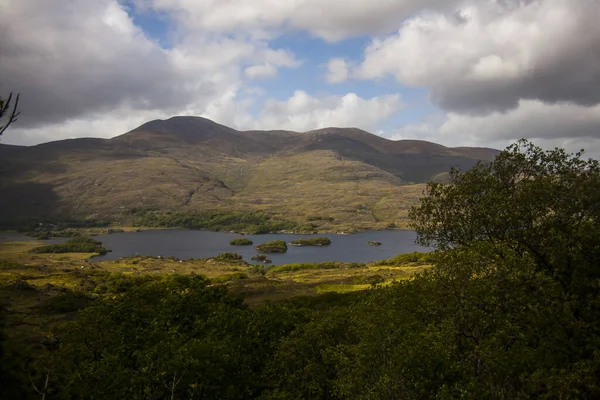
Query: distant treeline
246, 222
78, 244
32, 225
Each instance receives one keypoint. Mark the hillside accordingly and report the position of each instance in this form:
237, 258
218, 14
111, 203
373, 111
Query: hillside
193, 164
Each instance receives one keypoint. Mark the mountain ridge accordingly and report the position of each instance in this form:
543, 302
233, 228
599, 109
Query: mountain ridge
361, 180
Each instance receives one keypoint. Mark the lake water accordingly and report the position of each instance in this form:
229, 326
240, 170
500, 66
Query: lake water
186, 244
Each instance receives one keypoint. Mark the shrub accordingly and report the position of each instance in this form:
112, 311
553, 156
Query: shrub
228, 257
76, 245
408, 258
66, 302
230, 277
276, 246
322, 265
241, 242
318, 241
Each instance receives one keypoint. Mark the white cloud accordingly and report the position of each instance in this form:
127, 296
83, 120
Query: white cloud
488, 55
332, 19
97, 125
280, 58
337, 70
531, 119
260, 71
548, 125
303, 112
77, 61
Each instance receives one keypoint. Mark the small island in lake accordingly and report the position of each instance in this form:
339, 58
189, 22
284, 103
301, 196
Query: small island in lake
317, 241
374, 243
241, 242
276, 246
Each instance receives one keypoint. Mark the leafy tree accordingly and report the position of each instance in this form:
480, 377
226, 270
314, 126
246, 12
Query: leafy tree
520, 270
543, 206
9, 110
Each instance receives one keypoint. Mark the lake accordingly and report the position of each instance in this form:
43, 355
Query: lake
186, 244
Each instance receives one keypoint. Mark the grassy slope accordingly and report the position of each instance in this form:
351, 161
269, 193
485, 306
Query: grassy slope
298, 186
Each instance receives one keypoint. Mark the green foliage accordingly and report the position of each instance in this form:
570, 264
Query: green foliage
321, 265
258, 269
511, 310
229, 277
228, 257
177, 338
415, 257
317, 241
115, 283
76, 245
259, 257
275, 246
246, 222
540, 205
66, 302
241, 242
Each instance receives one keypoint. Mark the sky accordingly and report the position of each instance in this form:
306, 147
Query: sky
459, 73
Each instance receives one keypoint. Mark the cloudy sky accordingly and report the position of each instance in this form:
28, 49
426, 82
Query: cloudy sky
472, 72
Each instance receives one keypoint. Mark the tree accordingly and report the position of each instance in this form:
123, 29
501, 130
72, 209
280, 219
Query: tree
520, 269
6, 109
540, 205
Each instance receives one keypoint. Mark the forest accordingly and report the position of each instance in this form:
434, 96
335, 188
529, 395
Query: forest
510, 309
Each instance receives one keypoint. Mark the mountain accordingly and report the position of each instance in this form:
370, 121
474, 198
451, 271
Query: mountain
194, 164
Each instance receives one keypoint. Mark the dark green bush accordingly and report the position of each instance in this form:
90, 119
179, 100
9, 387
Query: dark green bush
229, 257
317, 241
66, 302
276, 246
241, 242
76, 245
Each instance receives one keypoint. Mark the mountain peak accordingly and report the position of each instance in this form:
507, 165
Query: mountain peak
188, 129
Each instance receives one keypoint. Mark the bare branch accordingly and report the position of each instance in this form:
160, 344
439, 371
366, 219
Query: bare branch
5, 108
